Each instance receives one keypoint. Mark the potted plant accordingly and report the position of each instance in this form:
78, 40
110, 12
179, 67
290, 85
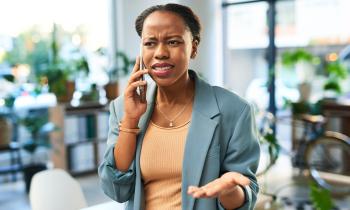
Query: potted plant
7, 96
43, 58
336, 73
56, 71
303, 64
56, 77
123, 68
39, 128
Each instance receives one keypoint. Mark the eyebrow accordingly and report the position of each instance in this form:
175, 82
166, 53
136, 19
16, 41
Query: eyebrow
167, 37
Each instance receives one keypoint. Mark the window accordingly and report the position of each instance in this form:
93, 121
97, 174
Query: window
246, 26
319, 25
17, 16
298, 23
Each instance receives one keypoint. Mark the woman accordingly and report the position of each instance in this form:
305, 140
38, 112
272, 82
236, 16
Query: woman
192, 145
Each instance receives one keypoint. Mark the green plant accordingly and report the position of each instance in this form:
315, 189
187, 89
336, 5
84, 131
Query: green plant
39, 128
303, 64
20, 50
41, 53
336, 73
58, 71
303, 107
124, 66
57, 76
273, 147
127, 63
267, 137
29, 47
10, 94
290, 58
321, 198
80, 65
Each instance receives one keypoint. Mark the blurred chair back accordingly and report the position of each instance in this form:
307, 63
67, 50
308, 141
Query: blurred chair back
55, 189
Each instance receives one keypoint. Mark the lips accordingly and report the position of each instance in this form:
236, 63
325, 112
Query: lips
159, 66
162, 69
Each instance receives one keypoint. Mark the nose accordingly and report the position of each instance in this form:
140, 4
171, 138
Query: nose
162, 52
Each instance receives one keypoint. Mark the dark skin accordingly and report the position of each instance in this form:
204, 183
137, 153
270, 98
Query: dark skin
167, 41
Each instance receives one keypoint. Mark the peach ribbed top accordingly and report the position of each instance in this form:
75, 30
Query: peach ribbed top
161, 166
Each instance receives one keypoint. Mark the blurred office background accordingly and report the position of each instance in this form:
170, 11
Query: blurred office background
62, 62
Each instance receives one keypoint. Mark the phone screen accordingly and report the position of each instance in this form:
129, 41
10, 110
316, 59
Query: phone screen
142, 88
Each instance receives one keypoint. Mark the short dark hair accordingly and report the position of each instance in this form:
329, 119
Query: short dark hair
191, 20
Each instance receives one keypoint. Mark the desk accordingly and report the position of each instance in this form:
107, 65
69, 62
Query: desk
8, 144
111, 205
15, 165
336, 112
341, 110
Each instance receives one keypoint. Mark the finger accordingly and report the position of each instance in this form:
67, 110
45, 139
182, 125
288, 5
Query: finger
137, 75
243, 181
239, 179
208, 190
137, 65
214, 189
145, 87
143, 93
199, 193
192, 189
236, 178
131, 89
212, 183
225, 184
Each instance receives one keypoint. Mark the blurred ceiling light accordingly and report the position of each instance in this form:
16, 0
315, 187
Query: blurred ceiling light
332, 57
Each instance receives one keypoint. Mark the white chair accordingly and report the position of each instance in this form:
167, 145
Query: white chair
55, 189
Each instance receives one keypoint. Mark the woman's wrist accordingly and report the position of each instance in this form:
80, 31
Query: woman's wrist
130, 123
233, 199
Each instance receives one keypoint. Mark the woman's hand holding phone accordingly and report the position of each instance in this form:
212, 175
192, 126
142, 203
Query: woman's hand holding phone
134, 106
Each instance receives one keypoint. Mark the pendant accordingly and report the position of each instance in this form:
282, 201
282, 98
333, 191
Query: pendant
171, 124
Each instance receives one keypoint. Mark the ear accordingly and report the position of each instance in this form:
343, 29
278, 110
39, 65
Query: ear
194, 48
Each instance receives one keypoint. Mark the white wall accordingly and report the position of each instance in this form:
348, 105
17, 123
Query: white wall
242, 67
209, 60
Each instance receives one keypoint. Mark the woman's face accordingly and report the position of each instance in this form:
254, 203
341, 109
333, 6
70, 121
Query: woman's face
167, 47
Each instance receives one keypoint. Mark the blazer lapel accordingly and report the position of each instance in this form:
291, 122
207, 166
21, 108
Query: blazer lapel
143, 124
151, 92
199, 137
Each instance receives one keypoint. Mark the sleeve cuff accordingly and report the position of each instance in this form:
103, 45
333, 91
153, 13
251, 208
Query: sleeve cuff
247, 199
119, 177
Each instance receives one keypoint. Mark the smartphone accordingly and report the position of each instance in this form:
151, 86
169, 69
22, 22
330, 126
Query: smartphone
142, 90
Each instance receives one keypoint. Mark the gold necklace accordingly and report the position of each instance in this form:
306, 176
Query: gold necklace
171, 121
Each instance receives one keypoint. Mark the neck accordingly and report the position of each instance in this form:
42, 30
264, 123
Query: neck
176, 93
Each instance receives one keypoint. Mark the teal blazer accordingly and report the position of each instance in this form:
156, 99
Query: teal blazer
221, 138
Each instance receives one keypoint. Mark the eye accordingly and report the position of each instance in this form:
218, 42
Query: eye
173, 42
149, 44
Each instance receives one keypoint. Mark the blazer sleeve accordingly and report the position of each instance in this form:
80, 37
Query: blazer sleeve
243, 153
118, 185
